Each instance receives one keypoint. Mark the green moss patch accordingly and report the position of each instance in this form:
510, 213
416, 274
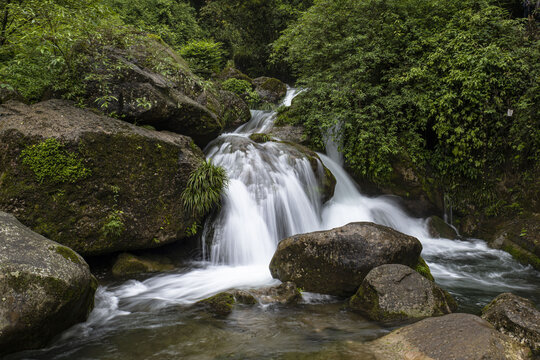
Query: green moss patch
51, 162
68, 254
260, 138
423, 269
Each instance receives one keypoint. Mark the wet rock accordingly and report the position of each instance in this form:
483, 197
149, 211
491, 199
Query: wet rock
286, 293
235, 110
396, 292
438, 228
453, 336
129, 264
95, 184
516, 317
290, 133
243, 297
219, 305
260, 138
44, 287
336, 261
269, 89
519, 236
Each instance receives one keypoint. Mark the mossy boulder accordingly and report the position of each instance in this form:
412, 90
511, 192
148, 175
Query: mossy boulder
438, 228
149, 84
452, 336
129, 264
260, 137
516, 317
44, 287
95, 184
219, 305
336, 261
270, 89
423, 269
235, 111
230, 72
519, 236
395, 292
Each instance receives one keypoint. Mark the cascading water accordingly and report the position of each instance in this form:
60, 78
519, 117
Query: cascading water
273, 194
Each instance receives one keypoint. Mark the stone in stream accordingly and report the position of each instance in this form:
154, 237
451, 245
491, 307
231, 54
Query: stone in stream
269, 89
222, 304
438, 228
129, 264
396, 292
285, 293
93, 183
44, 287
516, 317
336, 261
453, 336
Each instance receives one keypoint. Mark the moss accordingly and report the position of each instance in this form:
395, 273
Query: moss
68, 254
113, 226
220, 304
260, 138
423, 269
523, 256
51, 162
275, 85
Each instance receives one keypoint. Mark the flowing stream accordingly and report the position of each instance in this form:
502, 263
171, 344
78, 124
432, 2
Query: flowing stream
272, 193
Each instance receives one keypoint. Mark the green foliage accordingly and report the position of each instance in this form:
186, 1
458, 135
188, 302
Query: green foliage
52, 163
173, 21
260, 137
242, 88
204, 188
204, 56
114, 225
431, 79
247, 27
41, 41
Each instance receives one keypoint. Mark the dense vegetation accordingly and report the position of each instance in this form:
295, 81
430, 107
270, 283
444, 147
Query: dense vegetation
431, 83
448, 87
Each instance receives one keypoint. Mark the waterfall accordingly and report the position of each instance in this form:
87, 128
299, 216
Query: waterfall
271, 196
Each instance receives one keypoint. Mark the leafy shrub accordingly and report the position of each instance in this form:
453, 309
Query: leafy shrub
172, 20
242, 88
429, 79
204, 188
204, 56
114, 225
52, 163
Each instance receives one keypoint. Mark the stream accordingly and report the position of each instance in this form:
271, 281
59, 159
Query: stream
272, 194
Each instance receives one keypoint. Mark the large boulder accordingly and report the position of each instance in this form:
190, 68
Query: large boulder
516, 317
270, 89
438, 228
336, 261
44, 287
396, 292
93, 183
453, 336
148, 83
128, 264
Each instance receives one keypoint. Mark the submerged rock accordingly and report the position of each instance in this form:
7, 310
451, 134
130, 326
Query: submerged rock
286, 293
397, 292
516, 317
453, 336
129, 264
336, 261
438, 228
220, 304
44, 287
93, 183
269, 89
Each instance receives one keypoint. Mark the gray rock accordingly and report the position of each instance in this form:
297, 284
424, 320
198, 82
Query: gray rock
438, 228
397, 292
336, 261
453, 336
270, 89
286, 293
516, 317
44, 287
125, 193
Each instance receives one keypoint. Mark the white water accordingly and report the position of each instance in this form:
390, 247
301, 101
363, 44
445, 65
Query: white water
272, 194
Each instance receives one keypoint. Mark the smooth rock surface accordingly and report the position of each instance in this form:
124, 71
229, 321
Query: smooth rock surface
396, 292
129, 264
336, 261
449, 337
516, 317
44, 287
